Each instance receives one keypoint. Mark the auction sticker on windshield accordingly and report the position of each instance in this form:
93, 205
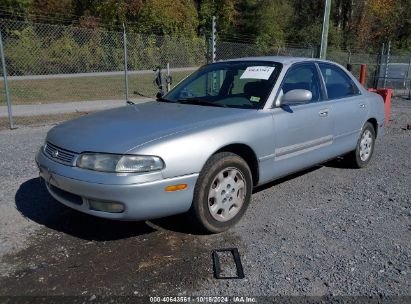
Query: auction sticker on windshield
258, 72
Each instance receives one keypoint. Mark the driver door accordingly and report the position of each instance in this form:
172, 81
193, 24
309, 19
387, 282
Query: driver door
303, 132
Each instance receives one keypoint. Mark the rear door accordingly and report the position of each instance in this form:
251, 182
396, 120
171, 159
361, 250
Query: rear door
304, 132
348, 105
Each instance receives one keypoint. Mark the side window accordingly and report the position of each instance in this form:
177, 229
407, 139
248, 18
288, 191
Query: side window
303, 77
337, 82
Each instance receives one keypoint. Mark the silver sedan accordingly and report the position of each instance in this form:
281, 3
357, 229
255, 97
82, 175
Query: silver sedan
203, 147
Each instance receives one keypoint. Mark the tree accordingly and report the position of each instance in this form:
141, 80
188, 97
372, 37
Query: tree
403, 31
225, 11
273, 19
53, 10
15, 9
166, 17
114, 13
376, 23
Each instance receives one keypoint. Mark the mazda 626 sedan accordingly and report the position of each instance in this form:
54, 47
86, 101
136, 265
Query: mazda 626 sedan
204, 146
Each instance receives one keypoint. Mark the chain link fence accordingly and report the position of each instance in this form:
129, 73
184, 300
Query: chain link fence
54, 63
229, 49
182, 54
395, 72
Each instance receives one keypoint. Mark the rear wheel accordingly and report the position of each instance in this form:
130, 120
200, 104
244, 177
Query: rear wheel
222, 193
361, 156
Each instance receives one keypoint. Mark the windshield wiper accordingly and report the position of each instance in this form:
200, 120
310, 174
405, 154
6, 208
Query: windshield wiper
201, 102
162, 99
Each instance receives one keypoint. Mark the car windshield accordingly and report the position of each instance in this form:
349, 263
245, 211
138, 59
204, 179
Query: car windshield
234, 84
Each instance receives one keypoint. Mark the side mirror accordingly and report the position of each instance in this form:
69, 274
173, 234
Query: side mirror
297, 96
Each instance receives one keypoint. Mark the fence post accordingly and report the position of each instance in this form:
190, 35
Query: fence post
326, 25
409, 91
317, 49
125, 62
362, 74
379, 64
409, 79
168, 77
6, 86
387, 61
213, 39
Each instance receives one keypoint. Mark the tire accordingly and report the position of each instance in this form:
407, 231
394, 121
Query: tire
362, 154
222, 192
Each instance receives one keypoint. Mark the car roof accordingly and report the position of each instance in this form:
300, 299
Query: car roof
286, 60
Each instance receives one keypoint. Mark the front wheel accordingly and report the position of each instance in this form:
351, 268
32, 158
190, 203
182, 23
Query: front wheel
361, 156
222, 193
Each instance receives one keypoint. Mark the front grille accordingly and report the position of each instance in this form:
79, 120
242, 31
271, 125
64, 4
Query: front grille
59, 155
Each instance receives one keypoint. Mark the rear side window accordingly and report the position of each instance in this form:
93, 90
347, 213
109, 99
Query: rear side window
337, 82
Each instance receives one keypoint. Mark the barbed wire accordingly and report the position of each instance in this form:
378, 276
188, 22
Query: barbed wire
38, 17
65, 14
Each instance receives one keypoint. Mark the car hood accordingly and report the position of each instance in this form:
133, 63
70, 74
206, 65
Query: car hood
121, 129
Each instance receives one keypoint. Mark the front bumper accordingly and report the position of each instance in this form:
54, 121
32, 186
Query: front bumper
144, 200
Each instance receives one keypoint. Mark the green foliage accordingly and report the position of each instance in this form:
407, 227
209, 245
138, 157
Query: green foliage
112, 12
205, 13
52, 8
272, 21
225, 11
146, 52
168, 17
36, 50
311, 35
19, 53
18, 6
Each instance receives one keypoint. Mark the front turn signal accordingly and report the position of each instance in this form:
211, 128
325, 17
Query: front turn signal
176, 187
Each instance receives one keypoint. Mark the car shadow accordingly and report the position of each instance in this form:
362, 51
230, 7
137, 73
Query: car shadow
34, 202
182, 223
339, 163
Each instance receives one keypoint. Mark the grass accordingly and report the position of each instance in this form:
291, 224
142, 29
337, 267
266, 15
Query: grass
81, 88
39, 120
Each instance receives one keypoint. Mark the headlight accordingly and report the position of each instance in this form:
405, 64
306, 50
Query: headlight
119, 163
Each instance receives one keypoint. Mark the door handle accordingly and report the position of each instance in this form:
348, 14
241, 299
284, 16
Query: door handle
362, 105
323, 113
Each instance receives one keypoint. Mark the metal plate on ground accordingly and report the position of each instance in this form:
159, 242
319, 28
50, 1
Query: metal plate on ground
223, 262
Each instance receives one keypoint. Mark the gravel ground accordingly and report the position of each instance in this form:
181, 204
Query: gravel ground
329, 230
